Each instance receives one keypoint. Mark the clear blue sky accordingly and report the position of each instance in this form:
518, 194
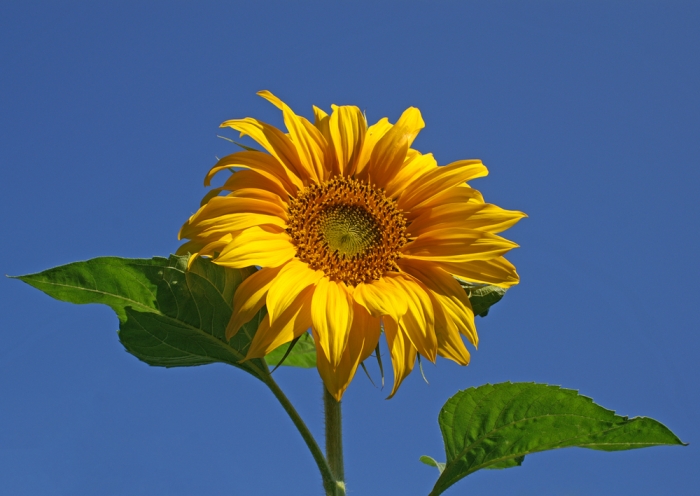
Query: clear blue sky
586, 113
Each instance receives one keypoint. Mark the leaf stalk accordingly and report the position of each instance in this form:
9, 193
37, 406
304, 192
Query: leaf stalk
329, 483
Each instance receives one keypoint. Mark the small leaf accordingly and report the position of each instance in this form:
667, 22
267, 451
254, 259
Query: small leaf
495, 426
169, 316
432, 462
482, 296
303, 354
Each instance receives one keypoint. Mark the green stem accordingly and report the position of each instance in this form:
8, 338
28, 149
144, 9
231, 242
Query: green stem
334, 440
326, 473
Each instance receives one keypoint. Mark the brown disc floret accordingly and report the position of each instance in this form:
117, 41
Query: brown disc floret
348, 229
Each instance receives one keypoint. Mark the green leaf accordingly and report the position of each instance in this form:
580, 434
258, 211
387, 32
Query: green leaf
169, 316
116, 282
303, 354
482, 296
510, 462
495, 426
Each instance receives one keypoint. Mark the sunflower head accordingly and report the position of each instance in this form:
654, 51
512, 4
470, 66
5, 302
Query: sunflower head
354, 233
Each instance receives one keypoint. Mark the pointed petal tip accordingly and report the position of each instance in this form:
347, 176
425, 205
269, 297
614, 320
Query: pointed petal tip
233, 328
252, 353
270, 97
393, 392
191, 260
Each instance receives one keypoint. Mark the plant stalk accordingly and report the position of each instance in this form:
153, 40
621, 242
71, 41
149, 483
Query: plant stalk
334, 440
329, 481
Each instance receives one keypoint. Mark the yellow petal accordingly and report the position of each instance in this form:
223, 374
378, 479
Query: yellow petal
347, 128
372, 136
438, 180
212, 246
448, 293
294, 321
274, 141
262, 163
189, 247
262, 195
259, 201
250, 298
481, 216
211, 194
195, 245
381, 298
457, 245
331, 311
459, 194
251, 179
309, 142
335, 379
390, 151
413, 169
322, 123
418, 323
362, 340
450, 344
229, 224
403, 354
257, 246
319, 115
365, 333
228, 214
294, 277
497, 271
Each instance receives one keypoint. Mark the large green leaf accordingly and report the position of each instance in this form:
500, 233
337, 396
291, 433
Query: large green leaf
482, 296
169, 316
495, 426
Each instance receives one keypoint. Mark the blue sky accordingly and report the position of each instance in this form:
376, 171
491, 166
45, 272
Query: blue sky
586, 113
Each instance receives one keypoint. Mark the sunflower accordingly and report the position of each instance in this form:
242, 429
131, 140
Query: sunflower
354, 233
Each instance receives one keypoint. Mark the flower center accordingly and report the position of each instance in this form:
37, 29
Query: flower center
348, 229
